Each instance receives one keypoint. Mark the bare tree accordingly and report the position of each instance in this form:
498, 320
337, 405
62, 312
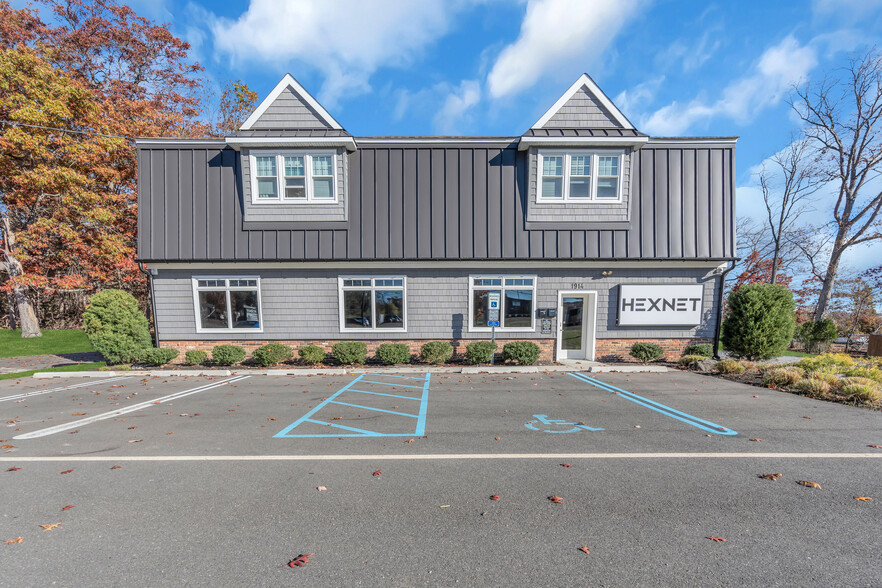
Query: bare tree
788, 180
843, 117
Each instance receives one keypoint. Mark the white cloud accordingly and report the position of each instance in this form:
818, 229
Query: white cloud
455, 110
773, 75
556, 37
639, 96
848, 10
345, 40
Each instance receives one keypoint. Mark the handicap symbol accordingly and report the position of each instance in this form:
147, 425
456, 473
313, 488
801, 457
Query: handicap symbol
542, 419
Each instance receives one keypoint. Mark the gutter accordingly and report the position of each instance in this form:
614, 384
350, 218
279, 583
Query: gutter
152, 303
719, 325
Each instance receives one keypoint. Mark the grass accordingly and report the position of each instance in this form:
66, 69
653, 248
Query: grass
79, 367
52, 342
789, 353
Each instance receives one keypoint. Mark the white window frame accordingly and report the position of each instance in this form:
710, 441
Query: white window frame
485, 329
280, 155
373, 288
227, 289
565, 193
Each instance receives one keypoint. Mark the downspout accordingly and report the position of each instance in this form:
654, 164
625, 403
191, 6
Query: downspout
719, 325
147, 273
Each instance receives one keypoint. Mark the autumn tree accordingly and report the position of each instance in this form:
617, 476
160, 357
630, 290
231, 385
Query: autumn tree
843, 118
237, 101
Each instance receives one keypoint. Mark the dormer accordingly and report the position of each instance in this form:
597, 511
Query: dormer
580, 161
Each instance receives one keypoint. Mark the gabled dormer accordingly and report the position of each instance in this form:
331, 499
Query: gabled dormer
580, 161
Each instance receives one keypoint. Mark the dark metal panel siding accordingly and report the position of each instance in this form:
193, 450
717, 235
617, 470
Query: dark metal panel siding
396, 204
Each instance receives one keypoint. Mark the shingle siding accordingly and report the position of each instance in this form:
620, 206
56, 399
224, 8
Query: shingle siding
582, 110
289, 111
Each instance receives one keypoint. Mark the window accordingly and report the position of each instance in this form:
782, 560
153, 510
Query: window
305, 177
516, 296
580, 176
227, 304
372, 303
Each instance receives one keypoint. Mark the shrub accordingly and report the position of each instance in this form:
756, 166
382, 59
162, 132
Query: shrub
702, 349
523, 352
837, 361
115, 326
480, 351
782, 376
729, 366
153, 356
816, 336
436, 351
862, 393
760, 322
311, 354
227, 354
646, 352
872, 373
272, 354
835, 382
195, 357
350, 352
392, 353
813, 386
687, 359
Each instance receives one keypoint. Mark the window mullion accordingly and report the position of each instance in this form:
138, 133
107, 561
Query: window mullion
229, 308
373, 307
565, 191
595, 171
307, 173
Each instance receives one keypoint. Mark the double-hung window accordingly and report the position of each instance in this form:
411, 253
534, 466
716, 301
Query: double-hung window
294, 177
517, 295
227, 304
580, 176
372, 303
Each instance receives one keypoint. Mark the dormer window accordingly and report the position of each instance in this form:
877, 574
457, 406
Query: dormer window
580, 176
293, 177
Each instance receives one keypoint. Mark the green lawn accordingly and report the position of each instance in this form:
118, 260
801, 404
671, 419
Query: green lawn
79, 367
52, 342
799, 354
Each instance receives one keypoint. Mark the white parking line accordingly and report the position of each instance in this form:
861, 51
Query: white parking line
134, 407
444, 456
63, 388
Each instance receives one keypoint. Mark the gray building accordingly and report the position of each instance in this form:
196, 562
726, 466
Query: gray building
591, 234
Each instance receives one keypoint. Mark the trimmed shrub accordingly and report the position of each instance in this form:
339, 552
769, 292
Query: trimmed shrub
782, 376
436, 351
862, 393
392, 353
702, 349
227, 354
523, 352
829, 362
115, 326
195, 357
872, 373
687, 359
350, 352
833, 381
647, 352
813, 386
272, 354
153, 356
480, 351
311, 354
816, 336
730, 367
760, 321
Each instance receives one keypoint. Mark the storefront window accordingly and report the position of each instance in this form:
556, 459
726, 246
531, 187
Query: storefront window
227, 304
372, 303
516, 293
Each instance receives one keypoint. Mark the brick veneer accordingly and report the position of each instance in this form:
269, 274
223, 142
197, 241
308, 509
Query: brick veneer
605, 349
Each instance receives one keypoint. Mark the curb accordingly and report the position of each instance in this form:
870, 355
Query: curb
627, 369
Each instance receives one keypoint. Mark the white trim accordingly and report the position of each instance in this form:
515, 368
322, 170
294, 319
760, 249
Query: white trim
296, 142
419, 264
586, 142
194, 281
180, 142
586, 81
589, 329
288, 80
280, 169
417, 140
372, 288
502, 288
565, 188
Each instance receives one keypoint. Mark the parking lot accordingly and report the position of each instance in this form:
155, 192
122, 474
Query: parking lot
218, 481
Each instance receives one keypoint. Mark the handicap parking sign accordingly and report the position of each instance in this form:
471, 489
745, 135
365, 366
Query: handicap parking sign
492, 323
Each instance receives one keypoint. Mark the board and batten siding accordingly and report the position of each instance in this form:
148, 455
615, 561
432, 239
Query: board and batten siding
436, 202
304, 304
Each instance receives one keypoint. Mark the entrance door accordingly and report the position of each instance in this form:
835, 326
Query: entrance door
575, 319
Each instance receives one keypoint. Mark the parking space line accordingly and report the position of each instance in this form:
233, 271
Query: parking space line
384, 394
128, 409
394, 376
658, 407
390, 384
336, 426
63, 388
416, 416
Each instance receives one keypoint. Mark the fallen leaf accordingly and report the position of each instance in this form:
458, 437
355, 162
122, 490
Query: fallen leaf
50, 526
755, 439
271, 419
13, 469
555, 499
77, 414
808, 484
585, 549
170, 433
409, 441
133, 427
16, 540
444, 506
378, 472
337, 418
68, 507
566, 465
863, 498
494, 497
770, 476
496, 438
67, 471
321, 488
74, 432
807, 417
300, 560
116, 467
6, 446
717, 539
135, 440
875, 446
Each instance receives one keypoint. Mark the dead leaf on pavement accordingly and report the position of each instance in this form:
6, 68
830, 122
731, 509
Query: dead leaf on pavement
67, 471
496, 438
300, 560
755, 439
13, 469
77, 414
16, 540
6, 446
409, 441
494, 497
808, 484
135, 440
555, 499
116, 467
50, 526
133, 427
863, 498
585, 549
566, 465
770, 476
717, 539
68, 507
271, 419
875, 446
321, 488
378, 472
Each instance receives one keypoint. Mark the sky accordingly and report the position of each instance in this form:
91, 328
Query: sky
493, 67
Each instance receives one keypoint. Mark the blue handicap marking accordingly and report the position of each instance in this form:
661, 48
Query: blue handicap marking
542, 419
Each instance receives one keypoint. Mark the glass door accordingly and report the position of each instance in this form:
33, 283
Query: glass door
572, 327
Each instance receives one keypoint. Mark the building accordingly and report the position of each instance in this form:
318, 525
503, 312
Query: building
593, 234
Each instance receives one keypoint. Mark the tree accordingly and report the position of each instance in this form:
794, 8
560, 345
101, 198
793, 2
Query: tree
758, 270
236, 102
760, 322
843, 118
854, 299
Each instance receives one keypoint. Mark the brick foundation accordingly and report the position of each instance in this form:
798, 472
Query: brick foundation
610, 350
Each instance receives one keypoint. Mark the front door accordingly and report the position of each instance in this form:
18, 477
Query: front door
575, 318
